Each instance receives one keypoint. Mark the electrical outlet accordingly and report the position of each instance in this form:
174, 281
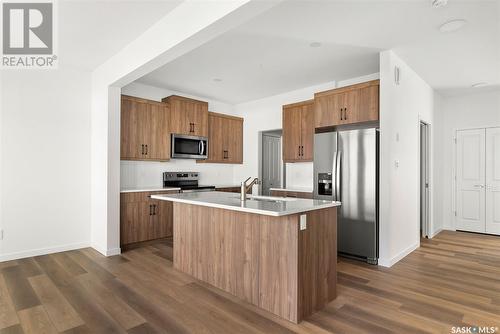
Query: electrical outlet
303, 222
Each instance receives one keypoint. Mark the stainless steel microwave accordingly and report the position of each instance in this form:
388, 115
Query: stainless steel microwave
189, 147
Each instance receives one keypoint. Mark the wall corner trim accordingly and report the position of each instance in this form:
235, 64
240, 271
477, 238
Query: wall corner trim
390, 262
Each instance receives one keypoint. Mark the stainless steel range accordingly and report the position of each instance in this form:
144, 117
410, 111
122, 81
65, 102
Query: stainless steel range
187, 181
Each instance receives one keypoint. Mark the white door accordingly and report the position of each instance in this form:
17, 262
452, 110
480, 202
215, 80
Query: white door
493, 181
471, 180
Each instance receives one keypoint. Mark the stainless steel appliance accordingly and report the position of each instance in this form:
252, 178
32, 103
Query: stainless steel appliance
187, 181
189, 147
346, 170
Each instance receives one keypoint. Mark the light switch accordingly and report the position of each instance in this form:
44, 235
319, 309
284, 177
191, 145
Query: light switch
303, 222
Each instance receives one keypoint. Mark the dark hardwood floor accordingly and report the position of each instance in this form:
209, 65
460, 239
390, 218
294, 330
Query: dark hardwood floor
452, 280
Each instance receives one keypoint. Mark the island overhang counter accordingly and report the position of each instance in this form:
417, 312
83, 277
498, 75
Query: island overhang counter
278, 254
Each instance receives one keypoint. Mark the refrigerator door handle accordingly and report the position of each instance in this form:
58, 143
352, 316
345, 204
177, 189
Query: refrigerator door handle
337, 176
334, 173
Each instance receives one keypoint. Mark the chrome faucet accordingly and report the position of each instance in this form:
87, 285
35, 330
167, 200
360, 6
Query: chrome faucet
243, 190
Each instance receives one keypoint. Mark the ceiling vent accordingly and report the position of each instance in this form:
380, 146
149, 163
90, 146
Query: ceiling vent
439, 3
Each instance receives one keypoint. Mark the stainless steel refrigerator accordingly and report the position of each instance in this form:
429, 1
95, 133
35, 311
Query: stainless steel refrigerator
346, 170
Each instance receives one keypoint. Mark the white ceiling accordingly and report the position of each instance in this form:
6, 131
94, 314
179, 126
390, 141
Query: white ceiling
90, 32
271, 54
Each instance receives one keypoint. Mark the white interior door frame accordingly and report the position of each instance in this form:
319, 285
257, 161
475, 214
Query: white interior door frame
425, 195
493, 181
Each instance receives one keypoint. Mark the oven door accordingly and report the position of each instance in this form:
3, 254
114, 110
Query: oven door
189, 147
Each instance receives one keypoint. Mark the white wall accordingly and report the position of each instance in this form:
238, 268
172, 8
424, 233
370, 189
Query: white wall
148, 173
401, 109
45, 157
475, 110
265, 114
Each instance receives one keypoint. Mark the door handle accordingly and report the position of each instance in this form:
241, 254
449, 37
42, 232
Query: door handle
479, 186
142, 150
345, 114
154, 209
150, 210
341, 114
146, 150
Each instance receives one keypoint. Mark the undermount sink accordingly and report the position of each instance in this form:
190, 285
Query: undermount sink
270, 199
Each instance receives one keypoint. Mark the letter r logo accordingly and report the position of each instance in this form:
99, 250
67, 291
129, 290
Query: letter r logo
27, 28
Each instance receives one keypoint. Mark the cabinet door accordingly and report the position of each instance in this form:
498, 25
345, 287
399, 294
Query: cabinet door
307, 132
135, 222
164, 220
131, 135
368, 107
158, 136
327, 110
198, 116
292, 133
215, 140
351, 107
179, 123
233, 140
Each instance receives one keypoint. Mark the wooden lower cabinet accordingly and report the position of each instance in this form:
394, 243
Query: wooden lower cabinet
297, 194
143, 218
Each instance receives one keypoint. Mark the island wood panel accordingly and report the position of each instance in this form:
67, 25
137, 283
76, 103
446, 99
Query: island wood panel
317, 262
278, 268
257, 257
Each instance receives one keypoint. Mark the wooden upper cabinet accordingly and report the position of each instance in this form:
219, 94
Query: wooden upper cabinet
144, 130
298, 131
225, 139
188, 116
347, 105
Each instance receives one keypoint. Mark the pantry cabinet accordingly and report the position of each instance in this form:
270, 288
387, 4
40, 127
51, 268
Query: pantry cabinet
298, 131
143, 218
188, 116
225, 139
347, 105
144, 130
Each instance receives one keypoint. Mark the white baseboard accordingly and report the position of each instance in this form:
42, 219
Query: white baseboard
435, 233
42, 251
390, 262
107, 252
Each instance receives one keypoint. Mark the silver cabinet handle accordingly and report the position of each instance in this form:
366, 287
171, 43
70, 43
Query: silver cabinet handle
479, 186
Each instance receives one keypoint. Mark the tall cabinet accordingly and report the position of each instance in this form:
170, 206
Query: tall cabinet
144, 130
298, 131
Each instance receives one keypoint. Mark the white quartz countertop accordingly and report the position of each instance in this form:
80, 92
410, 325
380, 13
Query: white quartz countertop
147, 189
263, 205
297, 190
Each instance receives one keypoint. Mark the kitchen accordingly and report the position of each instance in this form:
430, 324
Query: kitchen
187, 130
260, 166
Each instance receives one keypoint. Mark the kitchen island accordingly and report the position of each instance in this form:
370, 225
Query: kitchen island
279, 254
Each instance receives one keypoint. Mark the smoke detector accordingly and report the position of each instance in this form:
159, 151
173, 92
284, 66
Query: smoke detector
439, 3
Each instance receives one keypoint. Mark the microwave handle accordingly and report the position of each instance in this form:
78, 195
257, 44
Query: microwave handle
201, 147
